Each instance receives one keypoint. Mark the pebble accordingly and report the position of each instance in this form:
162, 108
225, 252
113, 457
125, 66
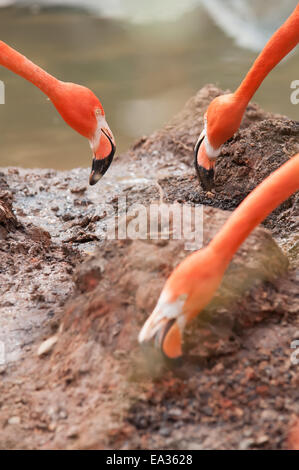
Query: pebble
52, 427
218, 368
14, 420
296, 334
262, 439
175, 412
195, 446
47, 345
245, 444
165, 432
73, 432
62, 414
269, 415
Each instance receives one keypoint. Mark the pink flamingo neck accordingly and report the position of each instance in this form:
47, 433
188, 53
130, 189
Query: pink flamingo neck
280, 44
254, 209
19, 64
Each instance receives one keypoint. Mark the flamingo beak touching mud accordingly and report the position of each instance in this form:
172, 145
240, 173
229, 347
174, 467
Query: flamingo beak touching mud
204, 166
102, 160
225, 113
165, 327
187, 291
193, 283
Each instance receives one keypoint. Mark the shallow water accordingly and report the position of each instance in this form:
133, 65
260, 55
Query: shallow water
142, 72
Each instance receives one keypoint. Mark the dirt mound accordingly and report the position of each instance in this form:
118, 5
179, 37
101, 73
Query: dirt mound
181, 133
263, 143
97, 372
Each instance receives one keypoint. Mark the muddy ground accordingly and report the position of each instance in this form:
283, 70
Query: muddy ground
60, 278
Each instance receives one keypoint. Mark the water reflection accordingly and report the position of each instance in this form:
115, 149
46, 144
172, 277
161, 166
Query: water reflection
142, 72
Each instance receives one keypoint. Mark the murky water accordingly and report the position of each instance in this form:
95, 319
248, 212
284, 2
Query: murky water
143, 72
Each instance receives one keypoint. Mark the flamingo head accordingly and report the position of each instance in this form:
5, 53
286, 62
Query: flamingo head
221, 121
187, 291
83, 111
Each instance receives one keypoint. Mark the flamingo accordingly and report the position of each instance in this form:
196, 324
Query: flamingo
224, 114
193, 283
77, 105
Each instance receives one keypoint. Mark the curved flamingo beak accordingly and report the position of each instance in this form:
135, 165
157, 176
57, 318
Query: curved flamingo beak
101, 164
203, 165
165, 326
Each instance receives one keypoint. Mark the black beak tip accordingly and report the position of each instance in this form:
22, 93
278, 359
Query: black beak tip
99, 167
92, 180
206, 177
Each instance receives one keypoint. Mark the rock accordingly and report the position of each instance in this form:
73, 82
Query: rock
269, 415
195, 446
165, 432
73, 432
47, 345
52, 427
62, 414
175, 413
245, 444
262, 439
14, 420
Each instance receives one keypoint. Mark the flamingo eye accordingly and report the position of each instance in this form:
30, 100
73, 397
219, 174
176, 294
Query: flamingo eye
98, 112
